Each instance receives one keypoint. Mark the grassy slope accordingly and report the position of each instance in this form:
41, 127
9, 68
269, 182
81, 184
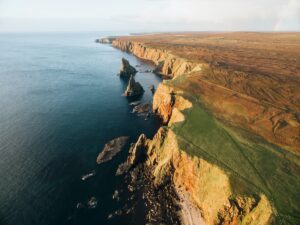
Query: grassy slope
254, 166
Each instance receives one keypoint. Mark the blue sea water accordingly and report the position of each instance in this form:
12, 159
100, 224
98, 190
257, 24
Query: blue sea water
60, 102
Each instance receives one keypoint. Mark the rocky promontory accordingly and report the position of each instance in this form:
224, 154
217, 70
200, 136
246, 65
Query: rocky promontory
126, 69
134, 88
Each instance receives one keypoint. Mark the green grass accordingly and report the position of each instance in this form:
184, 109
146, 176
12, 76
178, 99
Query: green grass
254, 166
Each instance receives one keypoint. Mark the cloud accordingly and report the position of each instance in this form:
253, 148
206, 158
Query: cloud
156, 15
221, 14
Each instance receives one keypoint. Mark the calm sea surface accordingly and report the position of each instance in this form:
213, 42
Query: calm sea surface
60, 102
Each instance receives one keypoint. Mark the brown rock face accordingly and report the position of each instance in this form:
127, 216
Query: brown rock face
134, 88
126, 69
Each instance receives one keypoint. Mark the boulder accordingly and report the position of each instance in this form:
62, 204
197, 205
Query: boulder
133, 88
126, 69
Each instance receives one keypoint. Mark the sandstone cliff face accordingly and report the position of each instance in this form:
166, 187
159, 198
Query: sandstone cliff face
167, 64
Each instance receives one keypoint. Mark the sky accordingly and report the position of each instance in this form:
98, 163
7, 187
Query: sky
149, 15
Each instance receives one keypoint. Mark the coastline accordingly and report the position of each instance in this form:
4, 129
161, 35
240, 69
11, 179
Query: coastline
217, 192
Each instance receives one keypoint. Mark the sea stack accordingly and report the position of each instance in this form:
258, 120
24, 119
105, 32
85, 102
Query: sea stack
133, 88
126, 69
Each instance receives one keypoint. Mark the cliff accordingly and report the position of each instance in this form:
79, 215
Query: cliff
230, 152
166, 63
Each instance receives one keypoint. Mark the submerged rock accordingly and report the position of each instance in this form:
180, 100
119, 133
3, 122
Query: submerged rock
79, 205
126, 69
133, 88
91, 174
116, 195
111, 149
141, 108
135, 103
92, 203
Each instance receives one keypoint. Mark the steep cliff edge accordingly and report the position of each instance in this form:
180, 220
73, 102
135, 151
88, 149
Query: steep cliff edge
222, 150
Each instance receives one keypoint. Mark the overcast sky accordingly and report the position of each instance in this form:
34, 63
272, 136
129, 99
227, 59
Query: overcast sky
149, 15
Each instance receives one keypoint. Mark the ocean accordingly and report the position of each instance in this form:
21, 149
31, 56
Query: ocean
60, 102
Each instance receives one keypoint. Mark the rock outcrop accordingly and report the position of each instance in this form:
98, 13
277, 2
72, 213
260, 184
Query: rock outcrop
134, 88
111, 149
126, 69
